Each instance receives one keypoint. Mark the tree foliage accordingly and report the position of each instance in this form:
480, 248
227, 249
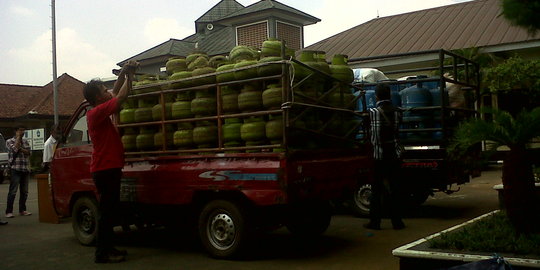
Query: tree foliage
504, 130
516, 74
523, 13
484, 60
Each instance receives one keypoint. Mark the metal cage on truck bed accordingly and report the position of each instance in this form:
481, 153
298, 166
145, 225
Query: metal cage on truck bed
319, 119
446, 72
429, 117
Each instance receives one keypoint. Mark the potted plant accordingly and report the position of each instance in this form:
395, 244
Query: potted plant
523, 208
500, 188
517, 80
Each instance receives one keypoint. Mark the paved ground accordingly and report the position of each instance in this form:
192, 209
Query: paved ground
27, 244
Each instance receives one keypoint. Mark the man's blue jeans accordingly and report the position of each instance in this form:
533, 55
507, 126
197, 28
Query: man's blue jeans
18, 178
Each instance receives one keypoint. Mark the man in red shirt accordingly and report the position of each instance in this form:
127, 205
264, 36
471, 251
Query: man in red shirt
107, 156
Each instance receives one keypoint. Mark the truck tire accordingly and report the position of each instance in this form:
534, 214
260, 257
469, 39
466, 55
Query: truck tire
360, 200
223, 229
310, 219
84, 220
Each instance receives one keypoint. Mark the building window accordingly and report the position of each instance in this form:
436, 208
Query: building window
291, 34
252, 35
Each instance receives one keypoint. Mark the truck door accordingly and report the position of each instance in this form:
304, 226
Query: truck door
70, 168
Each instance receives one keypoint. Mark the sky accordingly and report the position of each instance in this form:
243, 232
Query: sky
93, 35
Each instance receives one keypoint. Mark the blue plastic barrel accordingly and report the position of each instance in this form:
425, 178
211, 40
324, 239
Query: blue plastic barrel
431, 84
395, 96
410, 84
416, 135
436, 101
436, 96
394, 91
437, 135
403, 135
371, 102
412, 97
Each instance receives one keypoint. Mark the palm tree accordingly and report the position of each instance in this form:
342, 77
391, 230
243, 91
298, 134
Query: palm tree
523, 209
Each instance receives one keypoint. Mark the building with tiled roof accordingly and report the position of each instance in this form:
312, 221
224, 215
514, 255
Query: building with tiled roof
469, 24
228, 24
14, 102
33, 106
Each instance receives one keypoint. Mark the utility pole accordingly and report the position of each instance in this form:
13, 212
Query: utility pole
55, 82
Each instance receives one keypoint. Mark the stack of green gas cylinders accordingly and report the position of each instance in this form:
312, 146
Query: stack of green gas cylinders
180, 111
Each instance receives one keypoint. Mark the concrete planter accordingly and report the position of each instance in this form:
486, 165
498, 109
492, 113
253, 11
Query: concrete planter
417, 255
500, 190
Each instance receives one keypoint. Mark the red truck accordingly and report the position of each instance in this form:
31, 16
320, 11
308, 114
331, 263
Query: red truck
228, 195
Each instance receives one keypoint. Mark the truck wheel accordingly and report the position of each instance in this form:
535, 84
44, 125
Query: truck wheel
360, 200
310, 220
84, 220
223, 229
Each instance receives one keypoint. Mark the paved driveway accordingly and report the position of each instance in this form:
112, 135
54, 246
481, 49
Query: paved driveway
27, 244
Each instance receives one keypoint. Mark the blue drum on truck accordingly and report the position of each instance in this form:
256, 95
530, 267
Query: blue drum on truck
413, 97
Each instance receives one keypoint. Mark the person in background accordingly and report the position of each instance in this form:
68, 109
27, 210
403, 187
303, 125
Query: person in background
50, 147
107, 156
19, 161
385, 120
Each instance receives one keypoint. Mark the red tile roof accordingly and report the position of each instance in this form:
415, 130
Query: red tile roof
464, 25
14, 101
18, 100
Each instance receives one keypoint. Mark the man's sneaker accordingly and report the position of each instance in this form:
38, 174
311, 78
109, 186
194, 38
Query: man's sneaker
25, 213
10, 215
3, 222
110, 259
